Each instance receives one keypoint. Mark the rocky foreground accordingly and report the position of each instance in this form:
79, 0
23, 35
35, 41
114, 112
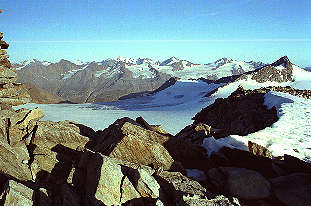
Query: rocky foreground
134, 163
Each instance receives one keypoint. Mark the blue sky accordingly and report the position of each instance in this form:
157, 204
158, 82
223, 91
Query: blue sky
198, 30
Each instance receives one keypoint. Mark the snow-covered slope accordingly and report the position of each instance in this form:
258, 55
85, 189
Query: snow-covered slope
302, 78
291, 134
28, 63
142, 71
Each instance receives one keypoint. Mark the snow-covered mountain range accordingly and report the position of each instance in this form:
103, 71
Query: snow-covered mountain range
146, 67
102, 81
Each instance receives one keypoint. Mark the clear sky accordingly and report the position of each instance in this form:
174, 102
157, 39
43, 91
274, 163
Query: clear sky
198, 30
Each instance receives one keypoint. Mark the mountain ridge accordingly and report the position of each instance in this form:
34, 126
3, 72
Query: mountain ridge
110, 79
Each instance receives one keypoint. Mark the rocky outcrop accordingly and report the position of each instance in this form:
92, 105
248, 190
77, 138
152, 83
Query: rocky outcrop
243, 112
115, 182
139, 143
258, 150
180, 190
195, 133
11, 93
295, 92
126, 139
279, 71
56, 144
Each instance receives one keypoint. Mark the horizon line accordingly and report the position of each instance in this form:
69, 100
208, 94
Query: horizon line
165, 40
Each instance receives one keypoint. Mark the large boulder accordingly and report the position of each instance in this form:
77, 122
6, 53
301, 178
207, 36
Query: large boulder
127, 140
240, 182
14, 161
110, 181
177, 189
55, 147
294, 189
194, 133
229, 157
21, 124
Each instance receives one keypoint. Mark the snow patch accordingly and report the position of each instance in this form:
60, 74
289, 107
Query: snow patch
302, 78
142, 71
73, 72
214, 145
291, 133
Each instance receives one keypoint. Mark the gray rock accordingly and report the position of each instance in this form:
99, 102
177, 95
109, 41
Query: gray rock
177, 189
240, 182
113, 182
127, 140
13, 159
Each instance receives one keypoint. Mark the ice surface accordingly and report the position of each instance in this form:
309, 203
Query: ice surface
172, 108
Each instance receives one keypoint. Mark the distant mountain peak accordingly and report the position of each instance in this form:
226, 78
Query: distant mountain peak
126, 60
283, 61
169, 61
140, 61
279, 71
222, 61
174, 58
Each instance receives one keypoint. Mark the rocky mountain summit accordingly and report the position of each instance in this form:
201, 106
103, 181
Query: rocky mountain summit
279, 71
134, 163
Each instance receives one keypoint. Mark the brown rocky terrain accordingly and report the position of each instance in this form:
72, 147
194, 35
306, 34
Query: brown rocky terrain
84, 86
134, 163
41, 96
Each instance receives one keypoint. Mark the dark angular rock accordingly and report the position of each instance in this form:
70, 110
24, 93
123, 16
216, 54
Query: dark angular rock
3, 45
242, 113
294, 189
